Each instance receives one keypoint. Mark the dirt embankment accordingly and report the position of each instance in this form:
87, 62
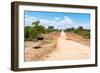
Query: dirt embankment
78, 38
70, 36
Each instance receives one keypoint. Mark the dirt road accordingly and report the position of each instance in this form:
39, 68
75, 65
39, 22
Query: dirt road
69, 50
58, 46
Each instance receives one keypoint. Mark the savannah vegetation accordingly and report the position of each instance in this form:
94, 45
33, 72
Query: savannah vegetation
35, 30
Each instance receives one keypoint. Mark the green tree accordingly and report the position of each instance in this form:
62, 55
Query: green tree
80, 28
83, 32
70, 29
31, 32
37, 29
27, 32
36, 23
50, 29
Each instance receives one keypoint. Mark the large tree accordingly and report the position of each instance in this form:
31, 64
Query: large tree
37, 29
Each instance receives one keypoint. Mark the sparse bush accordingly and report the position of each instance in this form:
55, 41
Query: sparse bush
32, 32
80, 31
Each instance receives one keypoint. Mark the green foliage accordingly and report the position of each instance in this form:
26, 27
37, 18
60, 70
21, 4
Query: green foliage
37, 30
84, 32
32, 32
27, 32
50, 29
80, 28
36, 23
80, 31
69, 30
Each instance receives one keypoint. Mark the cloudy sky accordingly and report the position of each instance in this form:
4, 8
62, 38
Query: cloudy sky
59, 20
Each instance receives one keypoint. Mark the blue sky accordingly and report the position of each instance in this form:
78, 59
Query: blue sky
59, 20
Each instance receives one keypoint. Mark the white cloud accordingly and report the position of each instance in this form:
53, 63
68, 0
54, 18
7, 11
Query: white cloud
47, 23
29, 20
85, 25
58, 23
66, 17
66, 22
57, 18
69, 20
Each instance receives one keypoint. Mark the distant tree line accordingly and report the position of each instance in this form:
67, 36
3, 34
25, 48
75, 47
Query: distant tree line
80, 31
32, 32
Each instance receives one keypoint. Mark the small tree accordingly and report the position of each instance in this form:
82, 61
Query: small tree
80, 28
36, 23
70, 29
50, 28
27, 32
37, 29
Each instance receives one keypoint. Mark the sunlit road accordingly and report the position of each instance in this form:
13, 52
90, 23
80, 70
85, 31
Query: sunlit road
69, 50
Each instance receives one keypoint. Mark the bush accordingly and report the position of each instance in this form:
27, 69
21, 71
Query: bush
27, 32
83, 32
31, 32
80, 31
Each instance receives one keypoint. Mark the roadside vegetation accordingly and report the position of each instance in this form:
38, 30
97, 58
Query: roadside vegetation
36, 30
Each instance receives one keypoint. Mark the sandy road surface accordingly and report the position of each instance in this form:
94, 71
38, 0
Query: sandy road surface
69, 50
